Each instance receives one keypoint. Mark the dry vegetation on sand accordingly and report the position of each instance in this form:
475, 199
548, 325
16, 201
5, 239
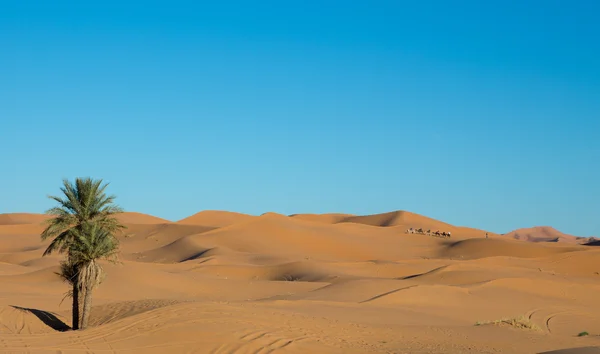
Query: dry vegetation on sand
520, 322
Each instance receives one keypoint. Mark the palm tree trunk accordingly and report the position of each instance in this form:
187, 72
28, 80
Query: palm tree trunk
87, 307
75, 325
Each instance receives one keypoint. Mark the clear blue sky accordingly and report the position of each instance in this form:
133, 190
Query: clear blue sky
478, 113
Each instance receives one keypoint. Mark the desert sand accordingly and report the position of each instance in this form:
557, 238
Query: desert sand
224, 282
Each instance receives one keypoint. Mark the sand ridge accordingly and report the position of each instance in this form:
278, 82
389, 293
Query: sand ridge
225, 282
544, 234
22, 218
215, 218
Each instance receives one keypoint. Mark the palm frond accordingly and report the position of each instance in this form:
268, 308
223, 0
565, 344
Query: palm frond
64, 203
84, 201
60, 243
93, 242
72, 202
56, 211
58, 225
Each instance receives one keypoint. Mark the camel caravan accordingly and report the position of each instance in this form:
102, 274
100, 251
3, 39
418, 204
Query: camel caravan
437, 233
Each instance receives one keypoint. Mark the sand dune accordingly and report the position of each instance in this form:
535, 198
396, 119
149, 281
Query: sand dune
331, 218
139, 218
215, 218
541, 234
275, 234
37, 219
480, 248
222, 282
22, 218
395, 218
404, 219
139, 238
181, 250
581, 264
17, 220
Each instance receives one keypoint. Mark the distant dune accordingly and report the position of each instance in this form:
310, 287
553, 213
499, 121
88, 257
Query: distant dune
36, 219
405, 220
541, 234
396, 218
331, 218
215, 218
139, 218
22, 218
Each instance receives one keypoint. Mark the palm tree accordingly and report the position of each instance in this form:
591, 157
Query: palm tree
91, 244
84, 202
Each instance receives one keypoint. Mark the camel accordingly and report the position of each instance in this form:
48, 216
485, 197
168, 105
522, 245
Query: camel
440, 233
428, 232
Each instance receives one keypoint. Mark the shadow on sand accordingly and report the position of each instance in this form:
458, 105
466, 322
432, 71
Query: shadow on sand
48, 318
581, 350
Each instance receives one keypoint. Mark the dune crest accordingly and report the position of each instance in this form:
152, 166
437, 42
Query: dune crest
541, 234
215, 218
131, 217
22, 218
405, 219
329, 218
395, 218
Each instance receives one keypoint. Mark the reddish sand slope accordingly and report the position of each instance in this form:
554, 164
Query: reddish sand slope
541, 234
220, 282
